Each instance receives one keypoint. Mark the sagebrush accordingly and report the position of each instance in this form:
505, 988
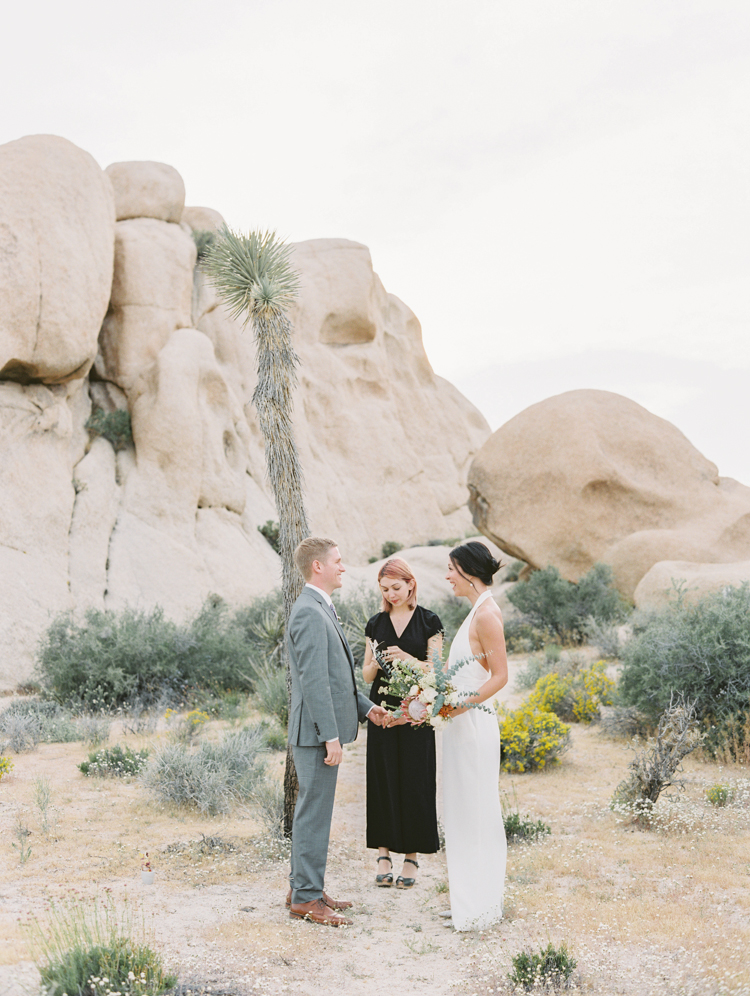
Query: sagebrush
211, 778
549, 602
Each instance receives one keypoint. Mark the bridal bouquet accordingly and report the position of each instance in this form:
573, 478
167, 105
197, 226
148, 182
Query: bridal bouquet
426, 695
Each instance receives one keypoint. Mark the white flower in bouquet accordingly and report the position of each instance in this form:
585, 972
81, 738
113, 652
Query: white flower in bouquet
414, 690
429, 679
439, 721
428, 695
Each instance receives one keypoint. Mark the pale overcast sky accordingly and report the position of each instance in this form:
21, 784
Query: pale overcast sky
558, 188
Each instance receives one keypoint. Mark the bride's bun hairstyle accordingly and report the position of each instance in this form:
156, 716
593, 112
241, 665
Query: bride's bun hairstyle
398, 570
474, 560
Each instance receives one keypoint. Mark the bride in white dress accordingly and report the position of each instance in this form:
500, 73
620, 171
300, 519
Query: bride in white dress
472, 816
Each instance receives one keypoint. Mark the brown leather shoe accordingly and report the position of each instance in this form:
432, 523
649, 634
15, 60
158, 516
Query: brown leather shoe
334, 904
317, 911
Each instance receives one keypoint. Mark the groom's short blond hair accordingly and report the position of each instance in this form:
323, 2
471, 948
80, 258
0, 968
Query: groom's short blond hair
311, 549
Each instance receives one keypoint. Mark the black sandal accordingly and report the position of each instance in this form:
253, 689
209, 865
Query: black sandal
385, 881
407, 883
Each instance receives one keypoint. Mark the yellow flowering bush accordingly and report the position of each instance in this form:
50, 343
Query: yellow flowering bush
574, 697
6, 766
186, 727
530, 738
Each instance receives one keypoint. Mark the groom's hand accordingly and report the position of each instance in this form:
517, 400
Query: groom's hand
334, 752
377, 715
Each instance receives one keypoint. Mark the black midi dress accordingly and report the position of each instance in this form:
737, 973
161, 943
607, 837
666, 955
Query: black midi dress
401, 766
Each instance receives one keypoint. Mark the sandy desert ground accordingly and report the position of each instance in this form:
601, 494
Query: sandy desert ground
665, 911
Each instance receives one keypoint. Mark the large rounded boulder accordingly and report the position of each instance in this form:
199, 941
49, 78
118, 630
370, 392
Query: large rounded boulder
57, 234
591, 476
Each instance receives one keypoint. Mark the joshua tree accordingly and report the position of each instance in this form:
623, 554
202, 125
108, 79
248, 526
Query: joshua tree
255, 278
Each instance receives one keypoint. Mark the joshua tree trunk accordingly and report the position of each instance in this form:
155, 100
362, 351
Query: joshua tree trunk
255, 278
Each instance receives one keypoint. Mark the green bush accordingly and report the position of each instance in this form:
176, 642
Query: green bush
701, 651
389, 548
531, 739
204, 239
114, 761
114, 426
523, 638
270, 695
28, 722
270, 533
720, 795
549, 967
112, 659
90, 948
262, 626
548, 601
514, 569
211, 778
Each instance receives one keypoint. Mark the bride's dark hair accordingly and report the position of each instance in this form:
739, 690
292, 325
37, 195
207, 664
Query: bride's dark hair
476, 561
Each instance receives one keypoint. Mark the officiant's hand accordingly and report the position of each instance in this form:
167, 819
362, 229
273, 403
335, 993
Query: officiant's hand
396, 654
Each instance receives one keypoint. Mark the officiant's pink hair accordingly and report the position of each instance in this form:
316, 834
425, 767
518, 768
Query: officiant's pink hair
398, 570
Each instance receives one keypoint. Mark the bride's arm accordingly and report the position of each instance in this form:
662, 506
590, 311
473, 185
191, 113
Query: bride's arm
489, 632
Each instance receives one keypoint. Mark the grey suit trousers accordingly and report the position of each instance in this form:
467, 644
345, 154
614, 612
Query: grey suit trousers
312, 822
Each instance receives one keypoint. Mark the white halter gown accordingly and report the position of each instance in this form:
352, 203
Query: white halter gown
472, 816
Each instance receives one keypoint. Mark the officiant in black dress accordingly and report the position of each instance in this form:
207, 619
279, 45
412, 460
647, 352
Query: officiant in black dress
401, 765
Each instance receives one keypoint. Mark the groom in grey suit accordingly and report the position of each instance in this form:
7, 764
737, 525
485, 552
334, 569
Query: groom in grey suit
325, 710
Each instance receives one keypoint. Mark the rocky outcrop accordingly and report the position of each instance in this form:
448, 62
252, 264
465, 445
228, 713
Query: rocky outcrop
147, 190
173, 516
659, 586
591, 476
56, 256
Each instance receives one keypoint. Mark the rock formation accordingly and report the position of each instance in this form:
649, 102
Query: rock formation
102, 309
591, 476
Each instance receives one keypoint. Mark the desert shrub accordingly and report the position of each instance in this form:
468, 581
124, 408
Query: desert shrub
228, 705
267, 799
452, 612
720, 795
605, 636
262, 626
28, 722
210, 778
548, 601
92, 948
270, 533
274, 737
93, 730
729, 739
117, 761
541, 664
550, 967
656, 765
701, 651
6, 766
185, 728
112, 659
520, 828
203, 238
514, 569
623, 722
389, 548
576, 696
270, 695
523, 638
531, 739
114, 426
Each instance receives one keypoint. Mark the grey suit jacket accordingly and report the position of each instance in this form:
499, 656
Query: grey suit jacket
325, 701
